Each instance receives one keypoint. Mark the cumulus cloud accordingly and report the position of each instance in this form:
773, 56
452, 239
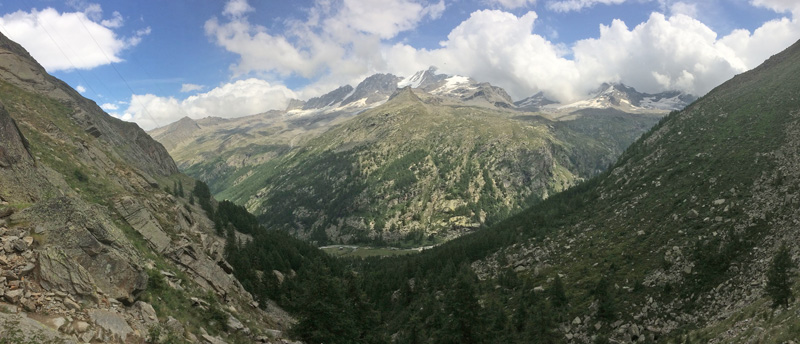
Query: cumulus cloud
236, 99
63, 41
577, 5
191, 88
663, 53
80, 89
338, 40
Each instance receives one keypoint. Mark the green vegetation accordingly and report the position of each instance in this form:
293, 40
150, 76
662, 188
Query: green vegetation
779, 278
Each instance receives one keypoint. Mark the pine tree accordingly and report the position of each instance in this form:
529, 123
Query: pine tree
180, 189
606, 304
779, 278
558, 298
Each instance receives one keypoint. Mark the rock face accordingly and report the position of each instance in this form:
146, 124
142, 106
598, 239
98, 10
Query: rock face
58, 272
84, 223
206, 271
88, 238
143, 222
331, 98
13, 145
375, 88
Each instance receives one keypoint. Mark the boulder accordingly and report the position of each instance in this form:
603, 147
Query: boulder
175, 326
13, 296
58, 271
111, 322
19, 245
147, 312
236, 325
81, 326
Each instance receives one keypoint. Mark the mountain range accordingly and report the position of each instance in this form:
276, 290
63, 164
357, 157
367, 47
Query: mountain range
439, 157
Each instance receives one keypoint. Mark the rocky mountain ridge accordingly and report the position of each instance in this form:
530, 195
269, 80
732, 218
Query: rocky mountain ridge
92, 247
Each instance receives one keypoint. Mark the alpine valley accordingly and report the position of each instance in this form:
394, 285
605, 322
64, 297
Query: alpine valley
622, 218
409, 161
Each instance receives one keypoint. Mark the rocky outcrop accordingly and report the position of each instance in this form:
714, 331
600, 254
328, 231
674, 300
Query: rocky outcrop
143, 222
59, 272
13, 145
205, 271
90, 239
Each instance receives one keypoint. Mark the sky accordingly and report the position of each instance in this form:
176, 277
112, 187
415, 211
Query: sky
154, 62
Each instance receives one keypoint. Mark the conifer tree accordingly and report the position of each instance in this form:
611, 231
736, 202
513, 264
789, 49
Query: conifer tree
779, 278
558, 298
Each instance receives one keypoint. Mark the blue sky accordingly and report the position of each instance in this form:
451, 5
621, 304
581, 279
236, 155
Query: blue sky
154, 62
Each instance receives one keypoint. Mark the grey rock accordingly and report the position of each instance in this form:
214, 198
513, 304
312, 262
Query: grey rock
58, 271
13, 296
71, 305
112, 322
6, 212
203, 270
81, 326
692, 214
147, 312
331, 98
30, 331
26, 269
143, 222
212, 340
236, 325
175, 326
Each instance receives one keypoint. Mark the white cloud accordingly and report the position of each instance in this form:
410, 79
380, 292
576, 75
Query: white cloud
237, 8
577, 5
240, 98
115, 22
109, 107
684, 8
332, 47
338, 40
779, 5
191, 88
63, 41
511, 4
80, 89
660, 54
